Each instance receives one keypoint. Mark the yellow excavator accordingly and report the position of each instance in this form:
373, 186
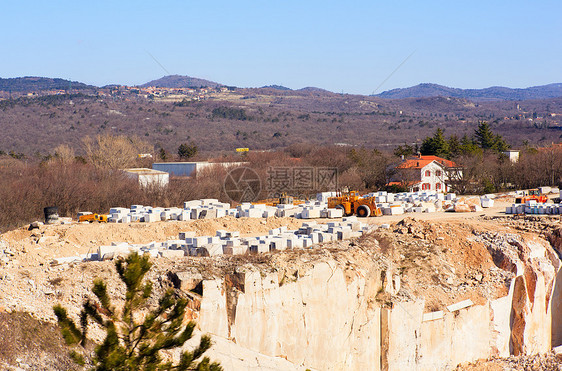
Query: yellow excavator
532, 194
353, 204
100, 218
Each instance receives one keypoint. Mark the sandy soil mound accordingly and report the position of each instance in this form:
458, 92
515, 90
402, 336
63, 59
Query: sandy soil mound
39, 246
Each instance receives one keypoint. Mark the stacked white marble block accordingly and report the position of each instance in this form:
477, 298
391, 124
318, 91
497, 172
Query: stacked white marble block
195, 209
317, 209
230, 243
534, 207
307, 210
249, 210
389, 203
409, 202
278, 239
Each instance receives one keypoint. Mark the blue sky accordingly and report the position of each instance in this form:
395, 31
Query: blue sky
341, 46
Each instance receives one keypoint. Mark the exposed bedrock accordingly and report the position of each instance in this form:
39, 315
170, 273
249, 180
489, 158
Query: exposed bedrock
336, 315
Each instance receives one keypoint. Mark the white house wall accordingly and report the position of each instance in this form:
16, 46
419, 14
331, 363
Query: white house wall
433, 179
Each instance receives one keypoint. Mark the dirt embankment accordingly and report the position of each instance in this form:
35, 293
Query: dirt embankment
39, 246
442, 262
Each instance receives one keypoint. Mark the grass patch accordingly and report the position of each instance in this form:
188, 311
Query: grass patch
35, 343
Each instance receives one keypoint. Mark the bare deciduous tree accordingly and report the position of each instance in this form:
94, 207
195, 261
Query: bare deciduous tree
64, 154
114, 152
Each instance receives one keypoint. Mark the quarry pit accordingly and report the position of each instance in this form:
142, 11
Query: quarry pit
436, 294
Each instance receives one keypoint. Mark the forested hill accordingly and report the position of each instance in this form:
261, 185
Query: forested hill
492, 93
178, 81
31, 84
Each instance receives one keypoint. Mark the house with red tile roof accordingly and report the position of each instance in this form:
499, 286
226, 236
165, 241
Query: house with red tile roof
423, 173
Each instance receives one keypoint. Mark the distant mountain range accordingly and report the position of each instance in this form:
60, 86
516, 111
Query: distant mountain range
312, 89
30, 84
308, 89
34, 84
276, 87
492, 93
178, 81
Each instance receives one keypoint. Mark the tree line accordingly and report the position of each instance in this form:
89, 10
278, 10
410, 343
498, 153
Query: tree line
92, 182
482, 165
483, 140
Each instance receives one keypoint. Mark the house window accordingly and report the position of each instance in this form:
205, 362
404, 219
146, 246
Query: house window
438, 173
428, 173
426, 186
438, 186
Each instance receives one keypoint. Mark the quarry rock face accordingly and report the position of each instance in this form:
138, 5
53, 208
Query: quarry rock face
330, 317
534, 293
555, 239
306, 320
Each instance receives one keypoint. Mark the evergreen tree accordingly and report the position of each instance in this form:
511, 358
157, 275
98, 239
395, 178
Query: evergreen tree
469, 146
484, 136
455, 149
436, 145
440, 144
426, 147
487, 140
499, 144
132, 343
405, 150
163, 154
186, 151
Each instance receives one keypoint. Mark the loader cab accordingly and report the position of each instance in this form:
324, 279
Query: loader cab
534, 192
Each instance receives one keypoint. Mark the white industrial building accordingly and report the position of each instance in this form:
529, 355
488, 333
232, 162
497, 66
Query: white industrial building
191, 168
149, 177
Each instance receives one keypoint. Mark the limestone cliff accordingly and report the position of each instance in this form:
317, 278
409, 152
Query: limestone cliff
354, 308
